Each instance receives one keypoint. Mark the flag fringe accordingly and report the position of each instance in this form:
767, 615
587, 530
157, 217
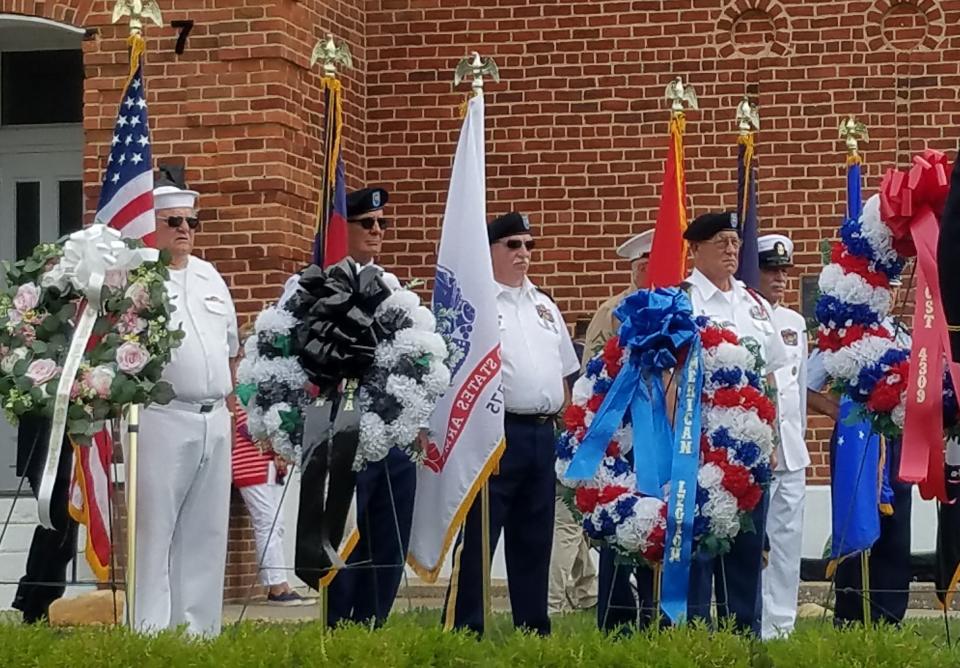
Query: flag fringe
747, 141
430, 575
678, 126
82, 516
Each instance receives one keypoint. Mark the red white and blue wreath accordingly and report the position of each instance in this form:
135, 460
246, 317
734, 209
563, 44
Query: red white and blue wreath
860, 352
736, 442
301, 344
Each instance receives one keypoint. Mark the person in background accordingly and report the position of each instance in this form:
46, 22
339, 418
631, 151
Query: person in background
781, 577
259, 475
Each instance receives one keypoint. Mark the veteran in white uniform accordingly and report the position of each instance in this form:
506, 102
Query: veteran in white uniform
781, 577
715, 244
184, 449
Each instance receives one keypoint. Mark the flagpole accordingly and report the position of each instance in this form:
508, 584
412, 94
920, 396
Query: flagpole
476, 67
137, 10
329, 54
851, 131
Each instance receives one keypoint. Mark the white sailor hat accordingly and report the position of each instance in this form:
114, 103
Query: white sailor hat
172, 197
775, 250
637, 247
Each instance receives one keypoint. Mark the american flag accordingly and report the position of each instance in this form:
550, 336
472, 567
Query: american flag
126, 203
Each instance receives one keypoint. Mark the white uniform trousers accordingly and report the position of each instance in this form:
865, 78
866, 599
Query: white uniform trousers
781, 577
573, 575
263, 503
183, 508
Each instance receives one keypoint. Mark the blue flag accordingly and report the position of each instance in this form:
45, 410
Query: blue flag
749, 269
854, 489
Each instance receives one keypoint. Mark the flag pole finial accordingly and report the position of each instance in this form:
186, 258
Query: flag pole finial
680, 94
748, 117
852, 131
476, 67
137, 10
331, 54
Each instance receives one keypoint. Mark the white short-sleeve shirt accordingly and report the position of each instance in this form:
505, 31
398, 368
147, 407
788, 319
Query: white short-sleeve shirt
537, 353
199, 369
792, 452
747, 313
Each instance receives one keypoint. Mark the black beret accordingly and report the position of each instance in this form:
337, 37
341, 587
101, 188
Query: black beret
508, 225
363, 201
169, 175
706, 226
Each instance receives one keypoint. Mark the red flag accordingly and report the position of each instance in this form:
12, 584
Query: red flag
668, 256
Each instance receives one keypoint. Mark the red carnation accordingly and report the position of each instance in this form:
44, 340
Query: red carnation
586, 499
729, 336
612, 352
711, 337
884, 398
593, 405
573, 417
736, 479
611, 493
716, 456
613, 450
750, 499
656, 538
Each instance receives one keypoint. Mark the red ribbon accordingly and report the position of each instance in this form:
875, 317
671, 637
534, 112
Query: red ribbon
911, 204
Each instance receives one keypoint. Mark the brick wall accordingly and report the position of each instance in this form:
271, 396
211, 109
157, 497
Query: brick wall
576, 129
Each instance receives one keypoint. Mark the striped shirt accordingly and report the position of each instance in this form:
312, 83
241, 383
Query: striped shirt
250, 465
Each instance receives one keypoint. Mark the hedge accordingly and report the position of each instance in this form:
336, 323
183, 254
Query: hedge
415, 640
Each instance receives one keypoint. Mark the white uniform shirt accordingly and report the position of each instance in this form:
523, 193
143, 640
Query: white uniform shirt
200, 368
537, 353
749, 315
792, 452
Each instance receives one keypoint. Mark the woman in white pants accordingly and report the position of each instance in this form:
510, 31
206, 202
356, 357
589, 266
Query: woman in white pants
259, 477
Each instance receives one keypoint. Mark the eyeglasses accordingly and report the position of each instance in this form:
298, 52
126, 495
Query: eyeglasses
723, 242
516, 244
176, 221
367, 223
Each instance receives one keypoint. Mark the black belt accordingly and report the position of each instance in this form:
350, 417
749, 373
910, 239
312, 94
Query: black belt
538, 418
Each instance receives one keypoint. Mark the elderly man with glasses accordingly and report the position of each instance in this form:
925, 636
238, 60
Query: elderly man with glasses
184, 460
537, 354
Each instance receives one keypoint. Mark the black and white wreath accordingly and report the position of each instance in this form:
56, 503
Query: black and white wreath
344, 324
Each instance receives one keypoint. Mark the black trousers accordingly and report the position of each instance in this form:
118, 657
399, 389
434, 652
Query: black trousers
522, 504
889, 560
51, 550
618, 608
366, 589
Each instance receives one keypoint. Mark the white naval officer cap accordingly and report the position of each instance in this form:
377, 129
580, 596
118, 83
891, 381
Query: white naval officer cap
172, 197
636, 247
775, 250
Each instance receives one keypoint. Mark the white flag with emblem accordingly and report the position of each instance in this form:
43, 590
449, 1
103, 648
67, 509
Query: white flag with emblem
466, 430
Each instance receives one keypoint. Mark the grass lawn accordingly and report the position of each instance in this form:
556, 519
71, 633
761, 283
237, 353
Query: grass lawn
415, 639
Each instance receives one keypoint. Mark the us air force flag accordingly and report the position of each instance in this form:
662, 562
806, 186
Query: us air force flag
466, 430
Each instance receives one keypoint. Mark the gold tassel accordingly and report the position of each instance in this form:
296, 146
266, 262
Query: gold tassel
462, 107
336, 99
678, 125
854, 159
747, 141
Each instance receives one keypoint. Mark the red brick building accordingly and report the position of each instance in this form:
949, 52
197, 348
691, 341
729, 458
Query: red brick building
576, 128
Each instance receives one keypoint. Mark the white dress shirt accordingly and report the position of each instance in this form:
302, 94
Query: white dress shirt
792, 452
537, 353
199, 369
747, 313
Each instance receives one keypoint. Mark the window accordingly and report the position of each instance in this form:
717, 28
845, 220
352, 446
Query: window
41, 87
28, 217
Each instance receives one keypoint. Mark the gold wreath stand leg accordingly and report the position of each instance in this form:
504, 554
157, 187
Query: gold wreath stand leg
657, 594
865, 585
133, 428
485, 547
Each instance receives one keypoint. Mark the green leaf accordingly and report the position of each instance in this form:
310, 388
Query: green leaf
747, 524
78, 426
245, 391
76, 412
289, 420
162, 393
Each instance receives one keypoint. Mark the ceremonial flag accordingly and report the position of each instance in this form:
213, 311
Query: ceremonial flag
854, 487
330, 244
466, 430
668, 255
749, 269
126, 204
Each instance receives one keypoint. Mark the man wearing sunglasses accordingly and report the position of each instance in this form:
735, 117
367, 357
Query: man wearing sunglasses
184, 457
537, 354
386, 488
715, 244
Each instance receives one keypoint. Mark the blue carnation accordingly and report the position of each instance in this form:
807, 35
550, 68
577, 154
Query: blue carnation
701, 527
563, 448
830, 309
618, 466
855, 242
602, 386
625, 506
725, 376
594, 367
607, 527
754, 379
761, 473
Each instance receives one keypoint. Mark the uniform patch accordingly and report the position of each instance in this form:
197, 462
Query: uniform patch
757, 312
790, 336
545, 314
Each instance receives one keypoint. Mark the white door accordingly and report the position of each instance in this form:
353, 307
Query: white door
41, 198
